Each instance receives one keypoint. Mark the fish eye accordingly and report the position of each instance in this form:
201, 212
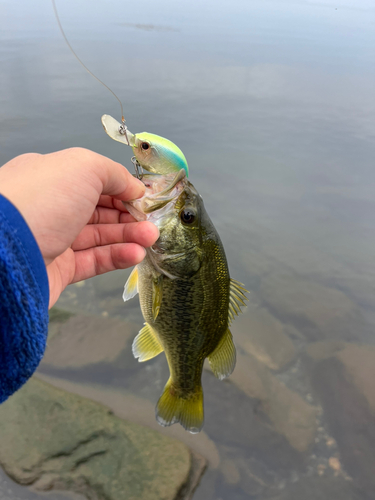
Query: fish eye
145, 146
187, 216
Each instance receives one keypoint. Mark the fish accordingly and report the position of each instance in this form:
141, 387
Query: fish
187, 297
153, 152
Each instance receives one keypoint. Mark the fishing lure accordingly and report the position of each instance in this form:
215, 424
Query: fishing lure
151, 152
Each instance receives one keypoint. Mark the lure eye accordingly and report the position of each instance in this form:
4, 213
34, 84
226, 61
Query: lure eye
145, 146
187, 216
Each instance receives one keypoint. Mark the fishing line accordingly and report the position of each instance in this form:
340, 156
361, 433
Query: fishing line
87, 69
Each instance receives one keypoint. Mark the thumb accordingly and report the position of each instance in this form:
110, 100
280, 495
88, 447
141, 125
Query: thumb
115, 180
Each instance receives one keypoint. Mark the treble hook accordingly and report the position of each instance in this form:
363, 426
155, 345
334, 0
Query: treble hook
138, 168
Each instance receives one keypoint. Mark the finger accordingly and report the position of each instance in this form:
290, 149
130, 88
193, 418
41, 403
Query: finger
115, 180
96, 235
100, 260
109, 202
126, 218
103, 215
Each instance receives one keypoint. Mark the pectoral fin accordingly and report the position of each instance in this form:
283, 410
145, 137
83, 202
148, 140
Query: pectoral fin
131, 286
157, 295
237, 298
146, 345
223, 359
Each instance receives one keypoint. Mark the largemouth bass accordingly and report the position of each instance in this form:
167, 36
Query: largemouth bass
187, 297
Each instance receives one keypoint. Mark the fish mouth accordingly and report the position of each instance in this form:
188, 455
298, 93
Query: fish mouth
157, 195
162, 198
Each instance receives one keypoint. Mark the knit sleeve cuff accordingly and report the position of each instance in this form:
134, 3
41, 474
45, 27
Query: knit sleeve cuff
27, 244
24, 297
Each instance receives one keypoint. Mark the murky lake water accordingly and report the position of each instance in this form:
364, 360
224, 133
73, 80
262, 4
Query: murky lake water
273, 105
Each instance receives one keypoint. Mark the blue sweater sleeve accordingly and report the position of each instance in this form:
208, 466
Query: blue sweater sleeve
24, 297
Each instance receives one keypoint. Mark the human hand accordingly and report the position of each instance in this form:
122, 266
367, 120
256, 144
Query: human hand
71, 202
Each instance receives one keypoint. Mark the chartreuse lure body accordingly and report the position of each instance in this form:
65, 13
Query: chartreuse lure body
153, 153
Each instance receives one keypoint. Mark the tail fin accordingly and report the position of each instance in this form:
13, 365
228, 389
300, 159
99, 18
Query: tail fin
173, 408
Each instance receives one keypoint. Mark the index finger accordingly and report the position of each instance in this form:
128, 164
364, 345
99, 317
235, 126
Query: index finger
107, 201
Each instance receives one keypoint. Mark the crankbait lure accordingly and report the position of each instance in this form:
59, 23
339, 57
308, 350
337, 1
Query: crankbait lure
151, 152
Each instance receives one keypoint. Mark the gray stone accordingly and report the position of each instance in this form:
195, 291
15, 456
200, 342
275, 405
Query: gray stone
320, 312
55, 440
82, 340
133, 408
290, 415
318, 351
344, 382
317, 488
262, 335
10, 490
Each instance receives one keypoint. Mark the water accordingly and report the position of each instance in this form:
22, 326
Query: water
273, 105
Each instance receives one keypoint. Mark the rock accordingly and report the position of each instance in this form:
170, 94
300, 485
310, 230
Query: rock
324, 350
10, 490
344, 383
136, 409
320, 312
57, 317
359, 363
56, 440
335, 464
243, 423
82, 340
317, 488
262, 335
290, 415
243, 472
230, 471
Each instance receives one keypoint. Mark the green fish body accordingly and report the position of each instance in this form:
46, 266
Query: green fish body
186, 295
154, 153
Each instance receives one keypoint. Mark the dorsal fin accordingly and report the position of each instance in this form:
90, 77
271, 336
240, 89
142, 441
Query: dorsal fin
146, 345
237, 298
223, 359
131, 286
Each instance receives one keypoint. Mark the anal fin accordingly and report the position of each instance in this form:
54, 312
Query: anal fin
223, 359
146, 345
131, 286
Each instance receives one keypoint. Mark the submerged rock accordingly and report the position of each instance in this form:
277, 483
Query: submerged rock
82, 340
55, 440
133, 408
262, 335
317, 488
318, 311
290, 415
343, 378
